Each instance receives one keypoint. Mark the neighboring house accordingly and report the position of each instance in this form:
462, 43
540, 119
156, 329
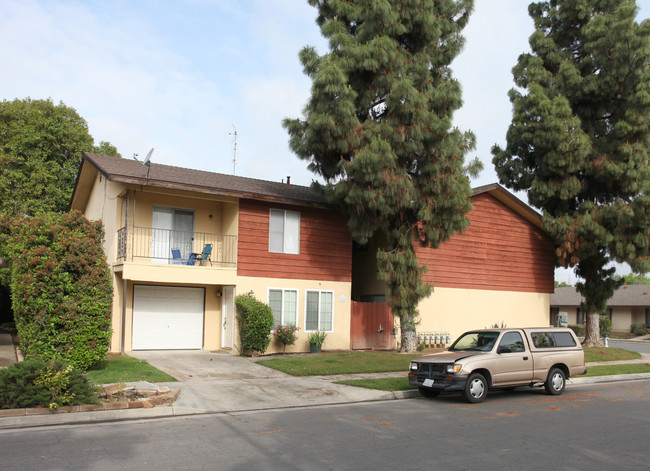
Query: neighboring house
499, 271
275, 240
629, 305
285, 245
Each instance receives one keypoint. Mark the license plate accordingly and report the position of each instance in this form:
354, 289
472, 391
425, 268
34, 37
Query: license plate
428, 382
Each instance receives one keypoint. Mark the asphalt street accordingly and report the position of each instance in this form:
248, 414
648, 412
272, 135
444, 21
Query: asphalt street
642, 347
590, 427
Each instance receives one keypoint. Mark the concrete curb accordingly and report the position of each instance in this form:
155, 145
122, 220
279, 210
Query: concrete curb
608, 379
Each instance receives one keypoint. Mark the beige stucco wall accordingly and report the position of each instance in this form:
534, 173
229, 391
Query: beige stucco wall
638, 315
211, 214
621, 318
116, 313
339, 339
211, 321
459, 310
102, 204
572, 313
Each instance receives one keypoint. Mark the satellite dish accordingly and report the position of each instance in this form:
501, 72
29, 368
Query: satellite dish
147, 159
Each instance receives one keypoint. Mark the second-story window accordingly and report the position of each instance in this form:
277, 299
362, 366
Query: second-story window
284, 231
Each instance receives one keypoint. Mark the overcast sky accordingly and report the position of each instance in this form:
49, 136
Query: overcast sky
182, 76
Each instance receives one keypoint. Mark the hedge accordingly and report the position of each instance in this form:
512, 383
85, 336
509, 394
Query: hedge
61, 287
255, 321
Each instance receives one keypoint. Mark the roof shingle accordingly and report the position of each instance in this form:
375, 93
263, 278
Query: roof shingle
167, 176
628, 295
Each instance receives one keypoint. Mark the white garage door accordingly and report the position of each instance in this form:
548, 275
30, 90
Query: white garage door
167, 318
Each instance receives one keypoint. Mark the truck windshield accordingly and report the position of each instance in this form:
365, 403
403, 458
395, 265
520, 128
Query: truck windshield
475, 341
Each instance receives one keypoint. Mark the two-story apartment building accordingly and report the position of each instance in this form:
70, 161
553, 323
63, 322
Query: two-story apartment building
277, 241
285, 245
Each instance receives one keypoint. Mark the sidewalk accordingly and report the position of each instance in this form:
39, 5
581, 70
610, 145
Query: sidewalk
213, 383
7, 350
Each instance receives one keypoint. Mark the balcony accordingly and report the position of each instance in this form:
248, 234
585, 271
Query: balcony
149, 245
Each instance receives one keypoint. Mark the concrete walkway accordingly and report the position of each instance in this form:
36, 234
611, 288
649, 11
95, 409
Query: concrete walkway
221, 383
7, 350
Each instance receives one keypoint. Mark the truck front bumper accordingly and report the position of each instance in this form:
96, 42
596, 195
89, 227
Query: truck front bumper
438, 382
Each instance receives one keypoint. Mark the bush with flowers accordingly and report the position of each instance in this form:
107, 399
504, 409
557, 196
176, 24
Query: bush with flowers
286, 334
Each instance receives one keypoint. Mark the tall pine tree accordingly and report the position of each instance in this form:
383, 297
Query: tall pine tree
578, 142
378, 130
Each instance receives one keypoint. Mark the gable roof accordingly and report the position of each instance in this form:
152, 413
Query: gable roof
130, 171
511, 201
628, 295
167, 176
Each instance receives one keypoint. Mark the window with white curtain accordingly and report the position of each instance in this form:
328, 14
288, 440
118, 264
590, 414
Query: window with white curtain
319, 311
284, 304
284, 231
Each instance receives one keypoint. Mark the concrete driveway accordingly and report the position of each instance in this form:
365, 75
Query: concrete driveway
219, 382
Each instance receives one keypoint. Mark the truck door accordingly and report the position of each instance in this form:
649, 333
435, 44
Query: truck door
514, 363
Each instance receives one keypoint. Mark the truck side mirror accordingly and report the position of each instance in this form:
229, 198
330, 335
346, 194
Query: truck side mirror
504, 350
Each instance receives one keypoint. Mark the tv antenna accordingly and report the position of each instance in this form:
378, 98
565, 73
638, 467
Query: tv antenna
234, 149
146, 162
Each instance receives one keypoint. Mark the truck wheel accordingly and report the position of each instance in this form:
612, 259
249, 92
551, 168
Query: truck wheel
555, 382
426, 392
476, 388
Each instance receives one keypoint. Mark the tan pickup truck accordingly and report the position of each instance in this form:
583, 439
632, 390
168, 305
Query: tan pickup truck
500, 359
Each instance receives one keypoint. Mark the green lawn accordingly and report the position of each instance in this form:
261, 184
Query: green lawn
607, 370
120, 369
383, 384
609, 354
341, 363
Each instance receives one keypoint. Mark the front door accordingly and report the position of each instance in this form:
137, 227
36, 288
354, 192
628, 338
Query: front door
227, 316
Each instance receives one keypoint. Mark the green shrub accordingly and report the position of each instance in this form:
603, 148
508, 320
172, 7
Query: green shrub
37, 383
255, 320
579, 329
60, 287
605, 325
639, 328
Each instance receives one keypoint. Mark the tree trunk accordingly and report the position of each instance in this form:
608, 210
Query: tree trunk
409, 338
592, 330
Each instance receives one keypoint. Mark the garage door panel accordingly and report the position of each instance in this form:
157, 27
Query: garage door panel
167, 318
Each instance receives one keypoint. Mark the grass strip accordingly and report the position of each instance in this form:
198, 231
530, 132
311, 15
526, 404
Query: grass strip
383, 384
119, 369
609, 354
608, 370
341, 363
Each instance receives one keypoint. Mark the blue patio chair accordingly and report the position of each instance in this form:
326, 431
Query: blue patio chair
205, 255
192, 259
176, 255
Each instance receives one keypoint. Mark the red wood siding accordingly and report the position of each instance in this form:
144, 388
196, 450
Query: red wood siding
325, 245
500, 250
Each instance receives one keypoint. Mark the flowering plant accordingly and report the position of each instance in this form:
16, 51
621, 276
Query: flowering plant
286, 334
317, 338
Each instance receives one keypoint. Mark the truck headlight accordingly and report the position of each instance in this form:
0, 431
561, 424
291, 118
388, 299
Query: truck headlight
413, 366
451, 369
